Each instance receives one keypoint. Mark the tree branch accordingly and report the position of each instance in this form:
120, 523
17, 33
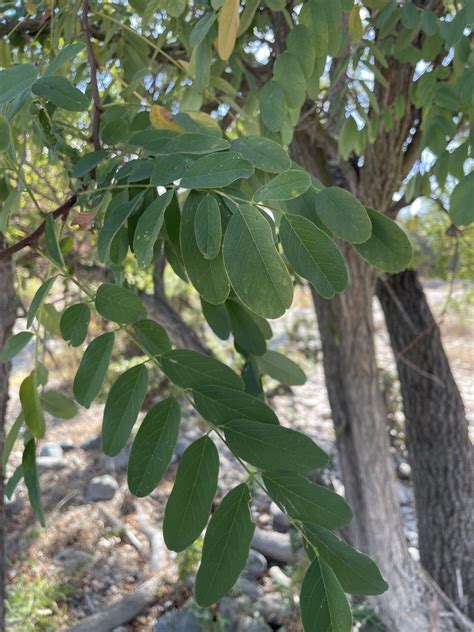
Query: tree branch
94, 67
30, 240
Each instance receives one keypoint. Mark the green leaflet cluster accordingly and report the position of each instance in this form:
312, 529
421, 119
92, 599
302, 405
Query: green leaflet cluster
277, 458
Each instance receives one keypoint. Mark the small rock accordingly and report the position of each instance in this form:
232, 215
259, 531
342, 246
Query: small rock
279, 577
405, 494
102, 488
14, 504
178, 621
229, 614
121, 628
280, 521
274, 609
181, 445
93, 443
44, 463
72, 558
67, 444
274, 546
249, 624
118, 463
249, 588
51, 450
404, 471
256, 566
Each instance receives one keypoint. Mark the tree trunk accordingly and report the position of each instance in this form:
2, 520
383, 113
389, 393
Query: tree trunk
439, 448
359, 416
7, 318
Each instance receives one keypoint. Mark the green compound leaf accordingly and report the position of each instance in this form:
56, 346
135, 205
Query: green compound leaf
273, 447
245, 329
307, 501
313, 255
15, 80
190, 369
153, 447
216, 170
461, 206
30, 475
226, 547
14, 345
323, 603
388, 247
252, 261
281, 368
219, 405
285, 186
189, 505
38, 299
208, 227
208, 276
217, 319
289, 73
340, 211
265, 154
148, 228
300, 44
273, 106
121, 410
52, 245
30, 405
194, 144
74, 323
152, 337
119, 304
356, 572
5, 133
58, 405
88, 162
92, 370
61, 92
115, 218
167, 169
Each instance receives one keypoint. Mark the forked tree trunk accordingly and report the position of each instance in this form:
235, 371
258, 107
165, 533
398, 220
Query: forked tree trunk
7, 318
347, 336
359, 416
439, 448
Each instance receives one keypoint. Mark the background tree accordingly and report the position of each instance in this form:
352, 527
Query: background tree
332, 79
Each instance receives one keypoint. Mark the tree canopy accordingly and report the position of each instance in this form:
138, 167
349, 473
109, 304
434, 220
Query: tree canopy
135, 130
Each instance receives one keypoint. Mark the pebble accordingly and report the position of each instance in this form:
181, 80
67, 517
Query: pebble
181, 445
273, 608
45, 463
92, 443
249, 624
256, 566
72, 558
279, 577
280, 521
51, 450
249, 588
273, 545
67, 444
102, 488
178, 621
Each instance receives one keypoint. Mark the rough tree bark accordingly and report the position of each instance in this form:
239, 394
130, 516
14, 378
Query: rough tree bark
347, 336
7, 318
437, 438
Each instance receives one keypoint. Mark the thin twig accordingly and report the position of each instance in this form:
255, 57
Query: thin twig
94, 67
30, 240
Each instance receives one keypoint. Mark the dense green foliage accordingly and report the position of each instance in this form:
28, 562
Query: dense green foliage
168, 130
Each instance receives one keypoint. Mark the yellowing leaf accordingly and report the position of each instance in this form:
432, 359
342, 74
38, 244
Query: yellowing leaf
161, 118
228, 21
205, 120
356, 28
